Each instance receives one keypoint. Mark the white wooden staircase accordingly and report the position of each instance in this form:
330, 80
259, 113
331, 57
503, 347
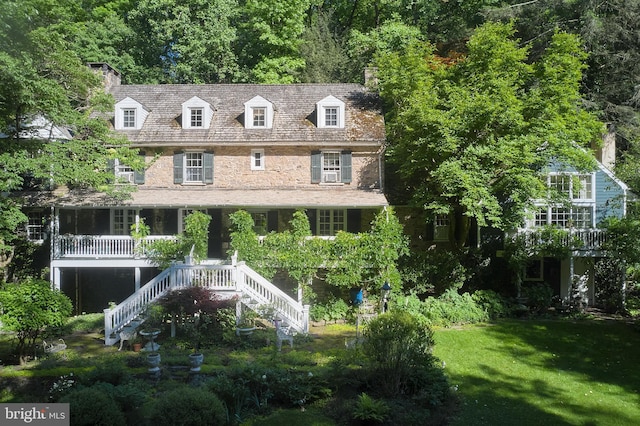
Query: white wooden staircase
227, 279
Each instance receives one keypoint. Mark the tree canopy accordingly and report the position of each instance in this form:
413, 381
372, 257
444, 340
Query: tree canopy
470, 138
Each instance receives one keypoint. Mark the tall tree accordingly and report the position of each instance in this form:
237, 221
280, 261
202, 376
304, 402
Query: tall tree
47, 95
191, 42
470, 138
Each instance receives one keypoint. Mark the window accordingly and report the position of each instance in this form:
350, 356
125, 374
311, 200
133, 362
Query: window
196, 114
331, 221
193, 167
331, 113
258, 113
533, 270
36, 229
129, 115
260, 222
197, 117
441, 228
124, 173
573, 186
122, 221
331, 167
259, 117
576, 216
257, 159
129, 118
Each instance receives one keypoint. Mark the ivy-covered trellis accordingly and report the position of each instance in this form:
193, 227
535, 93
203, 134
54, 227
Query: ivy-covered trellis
363, 260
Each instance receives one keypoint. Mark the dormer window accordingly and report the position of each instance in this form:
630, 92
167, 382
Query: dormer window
130, 115
258, 113
196, 114
196, 117
330, 113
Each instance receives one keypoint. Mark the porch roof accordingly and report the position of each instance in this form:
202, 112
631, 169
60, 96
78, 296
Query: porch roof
328, 197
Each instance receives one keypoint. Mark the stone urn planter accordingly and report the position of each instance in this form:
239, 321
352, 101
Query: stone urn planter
196, 361
244, 331
153, 359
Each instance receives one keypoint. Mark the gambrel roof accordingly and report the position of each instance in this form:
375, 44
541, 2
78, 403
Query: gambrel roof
294, 109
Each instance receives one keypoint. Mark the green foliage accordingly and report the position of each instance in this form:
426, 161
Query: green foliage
494, 304
397, 343
29, 308
332, 310
370, 409
453, 308
93, 407
467, 137
188, 406
539, 297
609, 294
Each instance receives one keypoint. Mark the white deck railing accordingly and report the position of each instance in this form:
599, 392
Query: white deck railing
102, 246
221, 278
575, 239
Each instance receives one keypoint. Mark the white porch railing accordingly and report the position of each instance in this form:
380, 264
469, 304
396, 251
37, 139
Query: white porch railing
575, 239
237, 278
102, 246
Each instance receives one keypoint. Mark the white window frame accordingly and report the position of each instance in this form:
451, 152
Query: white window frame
258, 103
331, 173
196, 115
331, 221
563, 216
127, 106
327, 105
584, 193
257, 159
192, 105
188, 166
121, 221
36, 226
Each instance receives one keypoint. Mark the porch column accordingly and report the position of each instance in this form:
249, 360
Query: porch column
55, 278
137, 278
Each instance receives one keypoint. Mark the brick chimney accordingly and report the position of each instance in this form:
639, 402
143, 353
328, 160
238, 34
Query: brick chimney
110, 76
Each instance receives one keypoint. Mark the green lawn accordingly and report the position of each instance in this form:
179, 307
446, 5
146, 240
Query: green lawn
544, 372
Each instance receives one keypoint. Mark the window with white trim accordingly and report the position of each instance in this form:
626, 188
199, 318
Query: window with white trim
330, 113
331, 221
124, 173
121, 221
257, 159
258, 113
36, 228
196, 114
574, 186
197, 117
193, 167
129, 115
331, 167
129, 118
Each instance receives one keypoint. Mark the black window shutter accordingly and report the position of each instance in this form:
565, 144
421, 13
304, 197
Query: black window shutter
345, 166
316, 166
207, 160
178, 158
312, 214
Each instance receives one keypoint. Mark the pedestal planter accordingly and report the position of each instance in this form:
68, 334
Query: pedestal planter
196, 361
153, 359
244, 331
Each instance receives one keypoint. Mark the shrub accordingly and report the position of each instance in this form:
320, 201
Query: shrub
453, 308
539, 297
333, 310
494, 304
188, 406
396, 343
92, 407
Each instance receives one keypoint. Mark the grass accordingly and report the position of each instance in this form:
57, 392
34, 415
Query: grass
524, 372
544, 372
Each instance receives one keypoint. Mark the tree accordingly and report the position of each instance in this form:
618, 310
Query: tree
470, 138
28, 309
50, 116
